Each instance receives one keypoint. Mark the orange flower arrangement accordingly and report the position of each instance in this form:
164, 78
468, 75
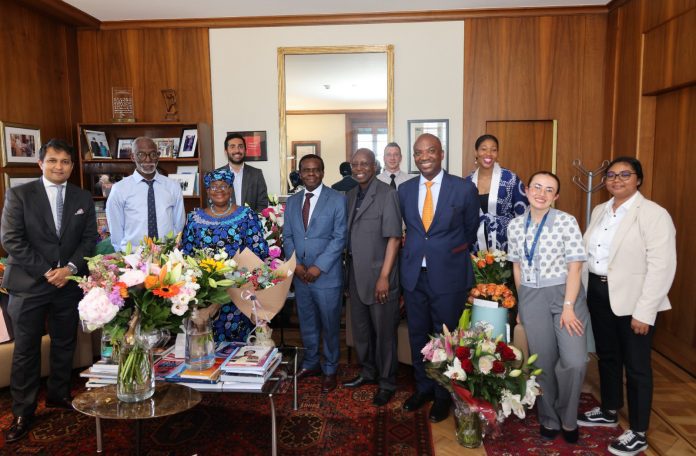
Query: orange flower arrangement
499, 293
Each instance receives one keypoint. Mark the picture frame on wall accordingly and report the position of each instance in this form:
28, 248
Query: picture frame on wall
436, 127
255, 144
15, 181
188, 142
98, 144
124, 149
20, 143
301, 148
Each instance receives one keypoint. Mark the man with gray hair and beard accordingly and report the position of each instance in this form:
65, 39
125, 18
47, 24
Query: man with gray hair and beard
145, 203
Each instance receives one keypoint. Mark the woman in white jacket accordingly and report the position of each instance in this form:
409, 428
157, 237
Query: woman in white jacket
632, 260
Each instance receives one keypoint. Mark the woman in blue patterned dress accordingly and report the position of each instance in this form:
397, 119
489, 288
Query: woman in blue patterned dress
501, 194
224, 224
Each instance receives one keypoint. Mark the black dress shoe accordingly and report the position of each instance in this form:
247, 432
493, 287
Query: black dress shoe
64, 403
571, 436
303, 373
417, 400
19, 428
328, 383
382, 397
359, 381
548, 433
440, 410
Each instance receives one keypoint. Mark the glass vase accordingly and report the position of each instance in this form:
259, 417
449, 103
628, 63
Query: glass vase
136, 374
469, 430
200, 347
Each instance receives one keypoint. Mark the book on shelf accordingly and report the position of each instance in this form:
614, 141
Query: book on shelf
250, 356
252, 377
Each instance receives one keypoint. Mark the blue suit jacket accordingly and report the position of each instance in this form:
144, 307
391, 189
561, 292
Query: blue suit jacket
446, 245
323, 243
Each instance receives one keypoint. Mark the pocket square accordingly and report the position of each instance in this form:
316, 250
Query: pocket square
79, 212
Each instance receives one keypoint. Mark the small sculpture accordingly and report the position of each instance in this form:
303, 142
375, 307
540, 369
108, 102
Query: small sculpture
172, 113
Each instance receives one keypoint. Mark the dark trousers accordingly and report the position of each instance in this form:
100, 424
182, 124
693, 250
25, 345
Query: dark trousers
426, 311
29, 316
618, 347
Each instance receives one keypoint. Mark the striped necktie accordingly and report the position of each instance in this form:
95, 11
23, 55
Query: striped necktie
428, 211
59, 207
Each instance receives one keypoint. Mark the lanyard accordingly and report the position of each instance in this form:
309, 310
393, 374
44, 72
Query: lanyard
529, 253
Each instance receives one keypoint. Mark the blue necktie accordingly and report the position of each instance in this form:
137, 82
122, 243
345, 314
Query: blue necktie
59, 207
151, 210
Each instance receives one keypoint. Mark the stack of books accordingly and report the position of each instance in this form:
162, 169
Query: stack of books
100, 374
250, 367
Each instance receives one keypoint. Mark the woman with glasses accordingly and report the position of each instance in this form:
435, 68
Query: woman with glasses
223, 224
501, 195
546, 251
632, 260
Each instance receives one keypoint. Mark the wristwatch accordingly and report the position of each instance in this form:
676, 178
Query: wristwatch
567, 303
72, 268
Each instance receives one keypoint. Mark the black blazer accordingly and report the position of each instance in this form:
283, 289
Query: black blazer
254, 191
28, 234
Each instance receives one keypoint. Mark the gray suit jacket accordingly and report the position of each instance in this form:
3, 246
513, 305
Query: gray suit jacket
254, 191
369, 230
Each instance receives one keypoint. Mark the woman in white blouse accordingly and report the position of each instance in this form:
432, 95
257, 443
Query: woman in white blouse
632, 261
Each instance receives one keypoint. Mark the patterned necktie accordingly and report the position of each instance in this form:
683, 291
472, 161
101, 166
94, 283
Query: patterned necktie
59, 207
151, 210
428, 211
305, 209
392, 184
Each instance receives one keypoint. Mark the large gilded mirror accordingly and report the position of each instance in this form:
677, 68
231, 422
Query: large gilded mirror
332, 100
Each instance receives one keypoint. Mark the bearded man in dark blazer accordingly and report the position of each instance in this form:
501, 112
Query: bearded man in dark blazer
249, 184
48, 228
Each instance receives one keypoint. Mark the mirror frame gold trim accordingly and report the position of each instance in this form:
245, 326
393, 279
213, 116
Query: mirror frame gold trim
358, 49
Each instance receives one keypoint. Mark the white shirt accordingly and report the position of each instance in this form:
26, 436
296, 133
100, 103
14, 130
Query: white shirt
399, 177
237, 184
313, 200
51, 192
599, 244
434, 190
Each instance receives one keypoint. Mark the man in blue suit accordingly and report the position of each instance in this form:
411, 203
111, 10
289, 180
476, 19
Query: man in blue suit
441, 216
315, 229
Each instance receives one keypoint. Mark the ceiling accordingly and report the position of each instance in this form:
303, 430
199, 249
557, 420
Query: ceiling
122, 10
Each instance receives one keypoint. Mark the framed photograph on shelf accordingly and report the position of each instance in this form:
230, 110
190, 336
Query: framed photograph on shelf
437, 127
165, 146
187, 146
187, 183
124, 148
11, 182
255, 145
98, 144
19, 143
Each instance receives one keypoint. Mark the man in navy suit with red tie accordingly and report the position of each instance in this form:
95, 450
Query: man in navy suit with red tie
441, 213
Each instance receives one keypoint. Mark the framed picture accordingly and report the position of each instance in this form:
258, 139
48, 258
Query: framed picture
437, 127
187, 183
255, 145
103, 182
124, 148
102, 225
187, 146
11, 182
187, 169
20, 143
165, 146
98, 145
301, 148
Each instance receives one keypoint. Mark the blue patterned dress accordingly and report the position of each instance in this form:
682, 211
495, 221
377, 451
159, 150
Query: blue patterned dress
241, 229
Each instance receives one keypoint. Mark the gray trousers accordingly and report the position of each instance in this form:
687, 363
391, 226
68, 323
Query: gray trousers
562, 357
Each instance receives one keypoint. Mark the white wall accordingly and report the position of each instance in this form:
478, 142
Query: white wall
330, 129
428, 79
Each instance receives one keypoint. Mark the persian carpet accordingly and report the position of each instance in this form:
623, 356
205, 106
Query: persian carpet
521, 437
343, 422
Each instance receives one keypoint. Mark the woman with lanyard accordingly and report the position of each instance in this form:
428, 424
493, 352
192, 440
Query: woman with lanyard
546, 249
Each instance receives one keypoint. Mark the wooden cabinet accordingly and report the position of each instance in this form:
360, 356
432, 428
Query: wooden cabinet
92, 167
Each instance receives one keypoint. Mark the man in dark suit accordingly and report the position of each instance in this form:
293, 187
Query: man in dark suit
441, 216
249, 184
48, 227
347, 182
315, 230
374, 233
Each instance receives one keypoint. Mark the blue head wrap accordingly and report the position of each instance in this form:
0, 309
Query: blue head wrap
223, 175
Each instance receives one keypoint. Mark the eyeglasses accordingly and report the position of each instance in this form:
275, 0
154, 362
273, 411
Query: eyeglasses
219, 188
538, 188
143, 155
623, 175
360, 165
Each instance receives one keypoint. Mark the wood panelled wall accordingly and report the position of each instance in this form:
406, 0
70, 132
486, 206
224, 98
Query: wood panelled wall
651, 114
148, 61
539, 68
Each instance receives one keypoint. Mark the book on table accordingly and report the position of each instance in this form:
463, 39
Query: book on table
253, 377
254, 356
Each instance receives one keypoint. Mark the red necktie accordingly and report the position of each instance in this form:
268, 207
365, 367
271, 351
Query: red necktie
305, 209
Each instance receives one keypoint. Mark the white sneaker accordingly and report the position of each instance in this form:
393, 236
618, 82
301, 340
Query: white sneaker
598, 417
628, 444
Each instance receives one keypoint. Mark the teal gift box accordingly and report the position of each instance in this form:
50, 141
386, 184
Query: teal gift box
489, 312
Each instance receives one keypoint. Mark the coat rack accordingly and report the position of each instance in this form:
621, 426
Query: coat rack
588, 187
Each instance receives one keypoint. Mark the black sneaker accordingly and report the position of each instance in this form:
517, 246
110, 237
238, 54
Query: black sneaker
598, 417
628, 444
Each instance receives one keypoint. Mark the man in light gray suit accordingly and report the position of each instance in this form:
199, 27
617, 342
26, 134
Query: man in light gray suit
374, 237
249, 184
315, 230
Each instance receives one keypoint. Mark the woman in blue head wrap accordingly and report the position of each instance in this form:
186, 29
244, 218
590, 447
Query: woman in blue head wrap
223, 224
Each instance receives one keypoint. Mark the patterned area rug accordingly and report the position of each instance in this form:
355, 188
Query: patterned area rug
343, 422
521, 437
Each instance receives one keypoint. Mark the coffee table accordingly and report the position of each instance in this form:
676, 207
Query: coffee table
169, 399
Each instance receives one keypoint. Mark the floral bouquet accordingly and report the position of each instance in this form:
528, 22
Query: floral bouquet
272, 219
499, 293
486, 376
491, 266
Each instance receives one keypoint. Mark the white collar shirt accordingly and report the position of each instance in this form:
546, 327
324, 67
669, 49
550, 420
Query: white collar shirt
434, 190
599, 243
51, 193
399, 177
237, 184
313, 200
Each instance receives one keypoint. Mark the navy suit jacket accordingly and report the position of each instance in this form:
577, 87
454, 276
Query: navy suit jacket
323, 243
446, 245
